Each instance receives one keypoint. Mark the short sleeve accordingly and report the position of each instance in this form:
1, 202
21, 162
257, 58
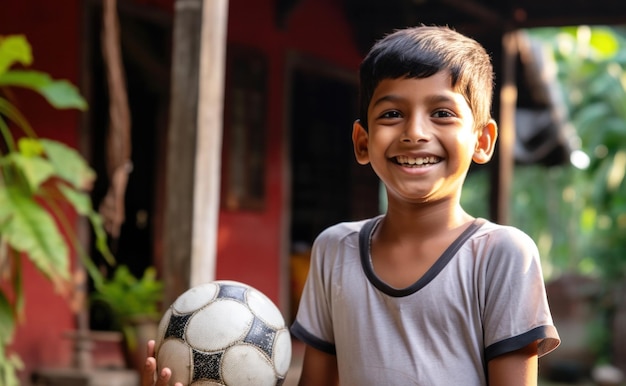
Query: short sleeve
515, 306
313, 324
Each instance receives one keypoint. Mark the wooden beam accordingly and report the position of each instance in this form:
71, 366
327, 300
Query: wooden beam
506, 132
479, 11
209, 141
193, 145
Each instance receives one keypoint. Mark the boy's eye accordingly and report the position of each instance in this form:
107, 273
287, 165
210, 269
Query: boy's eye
443, 114
391, 114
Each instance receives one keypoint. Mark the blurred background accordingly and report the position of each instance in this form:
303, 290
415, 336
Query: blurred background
219, 137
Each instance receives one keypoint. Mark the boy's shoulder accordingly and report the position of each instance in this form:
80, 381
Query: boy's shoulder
344, 228
342, 231
498, 237
499, 230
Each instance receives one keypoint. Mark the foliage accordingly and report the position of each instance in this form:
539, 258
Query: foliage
578, 216
130, 299
40, 180
588, 205
9, 363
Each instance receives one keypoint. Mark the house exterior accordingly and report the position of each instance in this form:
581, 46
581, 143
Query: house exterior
301, 85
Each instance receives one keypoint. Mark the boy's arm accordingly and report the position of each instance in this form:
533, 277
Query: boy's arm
318, 368
517, 368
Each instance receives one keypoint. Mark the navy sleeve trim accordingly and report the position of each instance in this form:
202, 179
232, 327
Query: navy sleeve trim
303, 335
546, 335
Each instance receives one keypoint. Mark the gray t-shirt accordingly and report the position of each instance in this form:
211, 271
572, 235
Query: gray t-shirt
483, 297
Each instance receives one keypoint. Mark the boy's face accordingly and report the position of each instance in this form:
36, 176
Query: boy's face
421, 139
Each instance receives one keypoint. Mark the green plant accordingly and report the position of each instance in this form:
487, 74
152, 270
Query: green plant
41, 181
131, 300
591, 63
578, 216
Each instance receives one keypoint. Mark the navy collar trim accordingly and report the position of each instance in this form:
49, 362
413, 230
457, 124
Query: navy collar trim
365, 237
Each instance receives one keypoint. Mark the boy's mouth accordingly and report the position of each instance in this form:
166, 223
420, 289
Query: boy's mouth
416, 161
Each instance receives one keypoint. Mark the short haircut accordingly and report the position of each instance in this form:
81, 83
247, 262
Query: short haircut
422, 51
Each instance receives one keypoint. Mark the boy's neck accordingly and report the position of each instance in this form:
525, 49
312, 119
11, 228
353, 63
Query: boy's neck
435, 218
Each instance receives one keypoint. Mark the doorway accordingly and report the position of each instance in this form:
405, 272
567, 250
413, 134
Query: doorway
146, 54
327, 185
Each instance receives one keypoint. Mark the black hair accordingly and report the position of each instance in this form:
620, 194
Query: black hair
422, 51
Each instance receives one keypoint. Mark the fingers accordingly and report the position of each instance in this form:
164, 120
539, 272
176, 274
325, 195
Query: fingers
164, 378
150, 369
150, 348
148, 373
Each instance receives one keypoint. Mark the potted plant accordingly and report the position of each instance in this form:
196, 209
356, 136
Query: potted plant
40, 182
134, 305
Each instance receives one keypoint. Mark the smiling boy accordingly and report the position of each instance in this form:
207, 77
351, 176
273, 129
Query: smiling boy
425, 294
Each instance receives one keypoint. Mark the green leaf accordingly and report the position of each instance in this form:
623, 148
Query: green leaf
9, 365
64, 95
13, 114
61, 94
33, 231
14, 49
35, 170
18, 284
6, 320
129, 297
101, 237
80, 201
604, 43
30, 79
82, 204
69, 164
30, 147
6, 208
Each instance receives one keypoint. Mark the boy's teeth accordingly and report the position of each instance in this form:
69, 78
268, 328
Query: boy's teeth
402, 159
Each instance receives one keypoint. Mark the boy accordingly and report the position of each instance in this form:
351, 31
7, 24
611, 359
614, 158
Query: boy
424, 294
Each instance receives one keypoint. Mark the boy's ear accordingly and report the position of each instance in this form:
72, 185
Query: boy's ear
486, 143
360, 139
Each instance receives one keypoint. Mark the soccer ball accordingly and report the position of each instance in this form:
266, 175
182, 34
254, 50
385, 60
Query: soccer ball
224, 333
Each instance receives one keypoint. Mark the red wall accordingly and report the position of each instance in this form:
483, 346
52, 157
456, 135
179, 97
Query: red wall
249, 244
52, 28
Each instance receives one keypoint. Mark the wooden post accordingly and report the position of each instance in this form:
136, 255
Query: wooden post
194, 144
209, 141
506, 135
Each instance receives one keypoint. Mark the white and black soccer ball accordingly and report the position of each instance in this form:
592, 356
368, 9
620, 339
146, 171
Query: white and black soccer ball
224, 333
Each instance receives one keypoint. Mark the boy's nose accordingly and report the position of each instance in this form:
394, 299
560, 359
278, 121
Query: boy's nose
415, 131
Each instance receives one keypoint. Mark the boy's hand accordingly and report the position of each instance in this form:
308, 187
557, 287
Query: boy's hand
149, 371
